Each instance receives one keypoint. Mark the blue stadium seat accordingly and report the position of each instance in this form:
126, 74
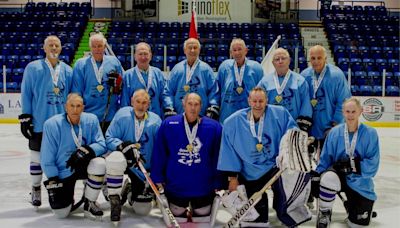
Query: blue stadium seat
392, 91
366, 90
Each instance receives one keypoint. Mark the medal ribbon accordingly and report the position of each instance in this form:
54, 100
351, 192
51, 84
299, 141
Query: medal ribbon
97, 71
253, 127
77, 139
239, 75
190, 70
281, 88
139, 127
54, 73
350, 147
141, 79
190, 134
317, 83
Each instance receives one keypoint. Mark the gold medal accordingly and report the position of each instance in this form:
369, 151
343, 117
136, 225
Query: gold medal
100, 88
239, 90
189, 147
314, 102
56, 90
278, 98
186, 88
259, 147
137, 145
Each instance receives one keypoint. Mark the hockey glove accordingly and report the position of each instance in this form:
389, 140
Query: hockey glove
57, 199
343, 166
304, 123
81, 158
131, 153
26, 125
115, 82
315, 180
169, 112
213, 112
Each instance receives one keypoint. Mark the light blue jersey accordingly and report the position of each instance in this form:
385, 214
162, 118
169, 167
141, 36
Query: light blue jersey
38, 94
367, 149
58, 143
202, 82
238, 151
232, 98
295, 97
85, 83
331, 94
122, 128
131, 83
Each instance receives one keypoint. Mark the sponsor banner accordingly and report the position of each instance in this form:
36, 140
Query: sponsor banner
10, 106
380, 109
228, 11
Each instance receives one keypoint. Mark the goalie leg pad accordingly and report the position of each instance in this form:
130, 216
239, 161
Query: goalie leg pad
96, 171
115, 168
214, 210
329, 186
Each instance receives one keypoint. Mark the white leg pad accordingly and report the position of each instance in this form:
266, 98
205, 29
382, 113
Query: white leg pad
96, 171
329, 186
116, 163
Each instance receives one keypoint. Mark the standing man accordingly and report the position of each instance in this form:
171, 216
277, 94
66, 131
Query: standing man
288, 89
249, 148
131, 136
328, 91
144, 76
348, 163
45, 86
71, 149
97, 78
184, 162
236, 77
191, 76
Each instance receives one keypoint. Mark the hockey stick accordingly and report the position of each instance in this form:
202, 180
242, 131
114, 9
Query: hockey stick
164, 208
254, 199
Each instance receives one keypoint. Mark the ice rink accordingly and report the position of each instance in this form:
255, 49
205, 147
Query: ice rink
16, 211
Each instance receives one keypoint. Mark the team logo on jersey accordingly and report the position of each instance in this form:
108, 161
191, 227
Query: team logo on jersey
192, 156
372, 109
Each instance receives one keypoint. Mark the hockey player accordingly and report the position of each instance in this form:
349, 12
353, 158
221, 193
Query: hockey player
97, 78
348, 163
288, 89
45, 86
131, 136
144, 76
191, 75
236, 77
249, 148
328, 90
72, 144
184, 162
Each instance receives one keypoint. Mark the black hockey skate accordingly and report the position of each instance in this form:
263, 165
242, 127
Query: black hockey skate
91, 210
324, 219
36, 197
115, 208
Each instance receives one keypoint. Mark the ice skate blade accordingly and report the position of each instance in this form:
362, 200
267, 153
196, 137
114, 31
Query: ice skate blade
115, 223
89, 215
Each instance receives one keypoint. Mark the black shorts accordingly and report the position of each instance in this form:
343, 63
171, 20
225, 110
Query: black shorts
36, 141
195, 202
359, 207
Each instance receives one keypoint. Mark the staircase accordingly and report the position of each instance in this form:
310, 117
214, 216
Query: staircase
313, 33
83, 48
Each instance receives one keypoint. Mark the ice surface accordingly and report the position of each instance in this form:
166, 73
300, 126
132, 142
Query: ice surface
15, 210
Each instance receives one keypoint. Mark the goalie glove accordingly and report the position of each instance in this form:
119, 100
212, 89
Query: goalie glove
131, 153
115, 82
213, 112
80, 159
304, 123
169, 112
26, 125
344, 166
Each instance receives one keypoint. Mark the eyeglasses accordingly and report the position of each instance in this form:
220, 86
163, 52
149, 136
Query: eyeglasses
276, 59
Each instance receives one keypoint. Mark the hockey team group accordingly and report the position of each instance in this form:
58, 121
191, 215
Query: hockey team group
192, 141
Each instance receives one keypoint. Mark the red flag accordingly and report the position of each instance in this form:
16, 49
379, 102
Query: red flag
193, 25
